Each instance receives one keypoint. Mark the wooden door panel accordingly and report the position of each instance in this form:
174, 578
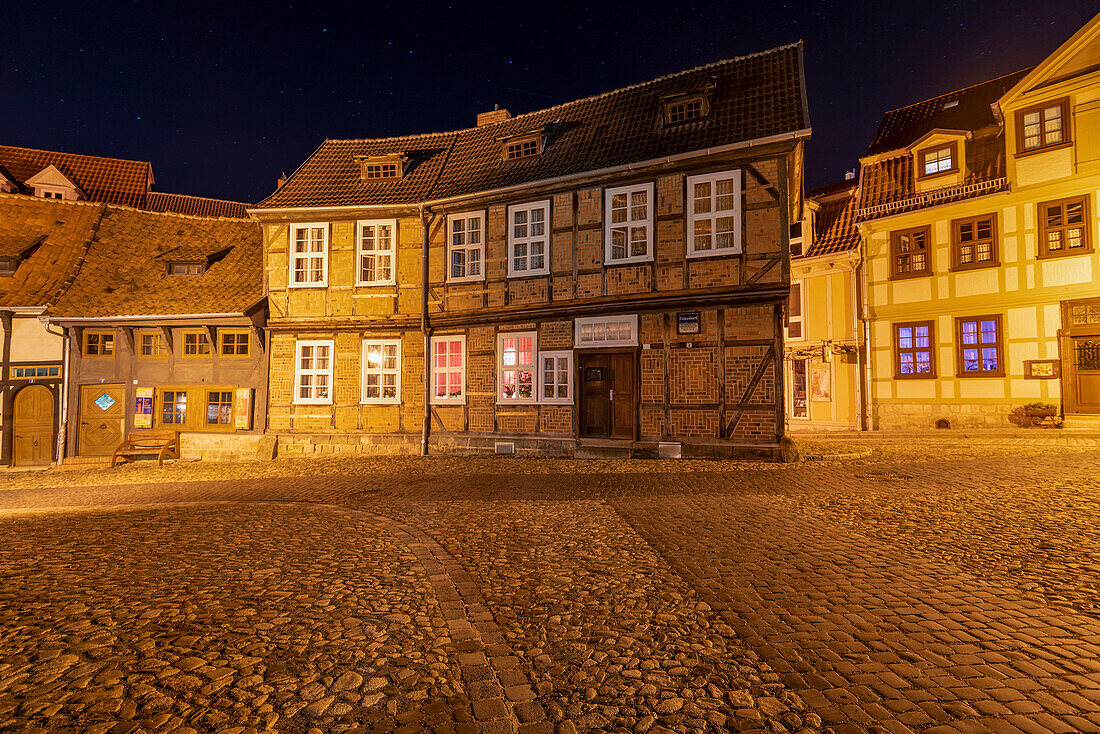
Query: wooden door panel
623, 402
33, 426
1088, 392
102, 419
595, 393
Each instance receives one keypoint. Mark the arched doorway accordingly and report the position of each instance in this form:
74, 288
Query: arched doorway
34, 439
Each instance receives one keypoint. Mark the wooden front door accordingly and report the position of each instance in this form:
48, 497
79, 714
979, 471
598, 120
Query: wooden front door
607, 396
102, 419
1086, 374
33, 426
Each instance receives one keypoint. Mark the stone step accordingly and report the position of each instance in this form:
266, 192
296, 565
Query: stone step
596, 449
85, 462
1081, 422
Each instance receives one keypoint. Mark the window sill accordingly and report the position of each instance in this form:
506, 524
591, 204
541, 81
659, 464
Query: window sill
968, 268
972, 375
307, 285
526, 402
1064, 254
557, 403
528, 274
726, 252
375, 283
911, 276
380, 402
462, 281
312, 402
627, 260
1043, 149
914, 377
456, 402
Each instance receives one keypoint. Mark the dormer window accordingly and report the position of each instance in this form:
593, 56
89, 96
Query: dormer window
185, 267
11, 260
51, 183
381, 168
1043, 126
686, 108
939, 160
524, 147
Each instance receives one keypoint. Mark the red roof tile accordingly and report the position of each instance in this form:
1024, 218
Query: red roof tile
66, 226
835, 221
124, 273
199, 206
108, 180
751, 97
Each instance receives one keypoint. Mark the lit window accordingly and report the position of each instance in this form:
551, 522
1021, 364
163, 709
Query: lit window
99, 344
714, 222
516, 367
465, 246
219, 408
794, 312
606, 331
556, 378
233, 343
629, 223
313, 372
1063, 227
173, 407
153, 345
528, 238
449, 369
683, 111
196, 344
377, 243
381, 371
979, 346
799, 389
910, 252
975, 245
31, 373
521, 149
308, 255
1042, 126
938, 160
913, 350
381, 170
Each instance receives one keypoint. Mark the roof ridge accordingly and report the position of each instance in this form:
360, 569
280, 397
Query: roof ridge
589, 98
81, 155
151, 212
960, 90
25, 197
195, 196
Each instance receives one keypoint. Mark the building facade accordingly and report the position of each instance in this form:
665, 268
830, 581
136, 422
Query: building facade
164, 330
824, 331
978, 217
597, 278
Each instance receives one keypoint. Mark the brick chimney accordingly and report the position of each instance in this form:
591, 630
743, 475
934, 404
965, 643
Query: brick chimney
281, 181
497, 115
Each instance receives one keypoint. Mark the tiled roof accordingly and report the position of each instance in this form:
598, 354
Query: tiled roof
109, 180
124, 275
903, 127
751, 97
67, 228
199, 206
835, 221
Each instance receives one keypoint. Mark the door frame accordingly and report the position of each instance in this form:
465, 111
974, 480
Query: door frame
1067, 357
30, 384
80, 412
8, 390
578, 356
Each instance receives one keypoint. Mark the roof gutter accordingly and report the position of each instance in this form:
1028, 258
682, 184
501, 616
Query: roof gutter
623, 168
153, 317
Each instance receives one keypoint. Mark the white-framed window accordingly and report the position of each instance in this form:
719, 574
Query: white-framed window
313, 372
529, 239
381, 368
517, 381
714, 215
794, 313
308, 255
466, 246
628, 228
449, 369
376, 243
606, 331
556, 377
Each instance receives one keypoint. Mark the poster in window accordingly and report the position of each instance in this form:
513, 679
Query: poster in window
820, 382
143, 408
242, 409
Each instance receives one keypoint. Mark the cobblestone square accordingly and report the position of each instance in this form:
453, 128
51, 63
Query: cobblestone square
916, 586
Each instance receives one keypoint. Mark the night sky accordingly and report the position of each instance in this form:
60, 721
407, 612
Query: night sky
221, 97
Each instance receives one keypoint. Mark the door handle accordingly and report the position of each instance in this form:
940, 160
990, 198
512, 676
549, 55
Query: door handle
612, 395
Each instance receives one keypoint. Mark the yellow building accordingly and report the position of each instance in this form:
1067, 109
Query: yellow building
978, 217
824, 333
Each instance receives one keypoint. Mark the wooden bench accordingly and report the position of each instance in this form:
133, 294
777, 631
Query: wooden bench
165, 443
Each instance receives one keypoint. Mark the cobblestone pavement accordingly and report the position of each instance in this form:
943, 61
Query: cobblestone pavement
934, 587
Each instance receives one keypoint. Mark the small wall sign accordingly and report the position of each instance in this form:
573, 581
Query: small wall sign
687, 322
143, 407
1042, 369
242, 409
